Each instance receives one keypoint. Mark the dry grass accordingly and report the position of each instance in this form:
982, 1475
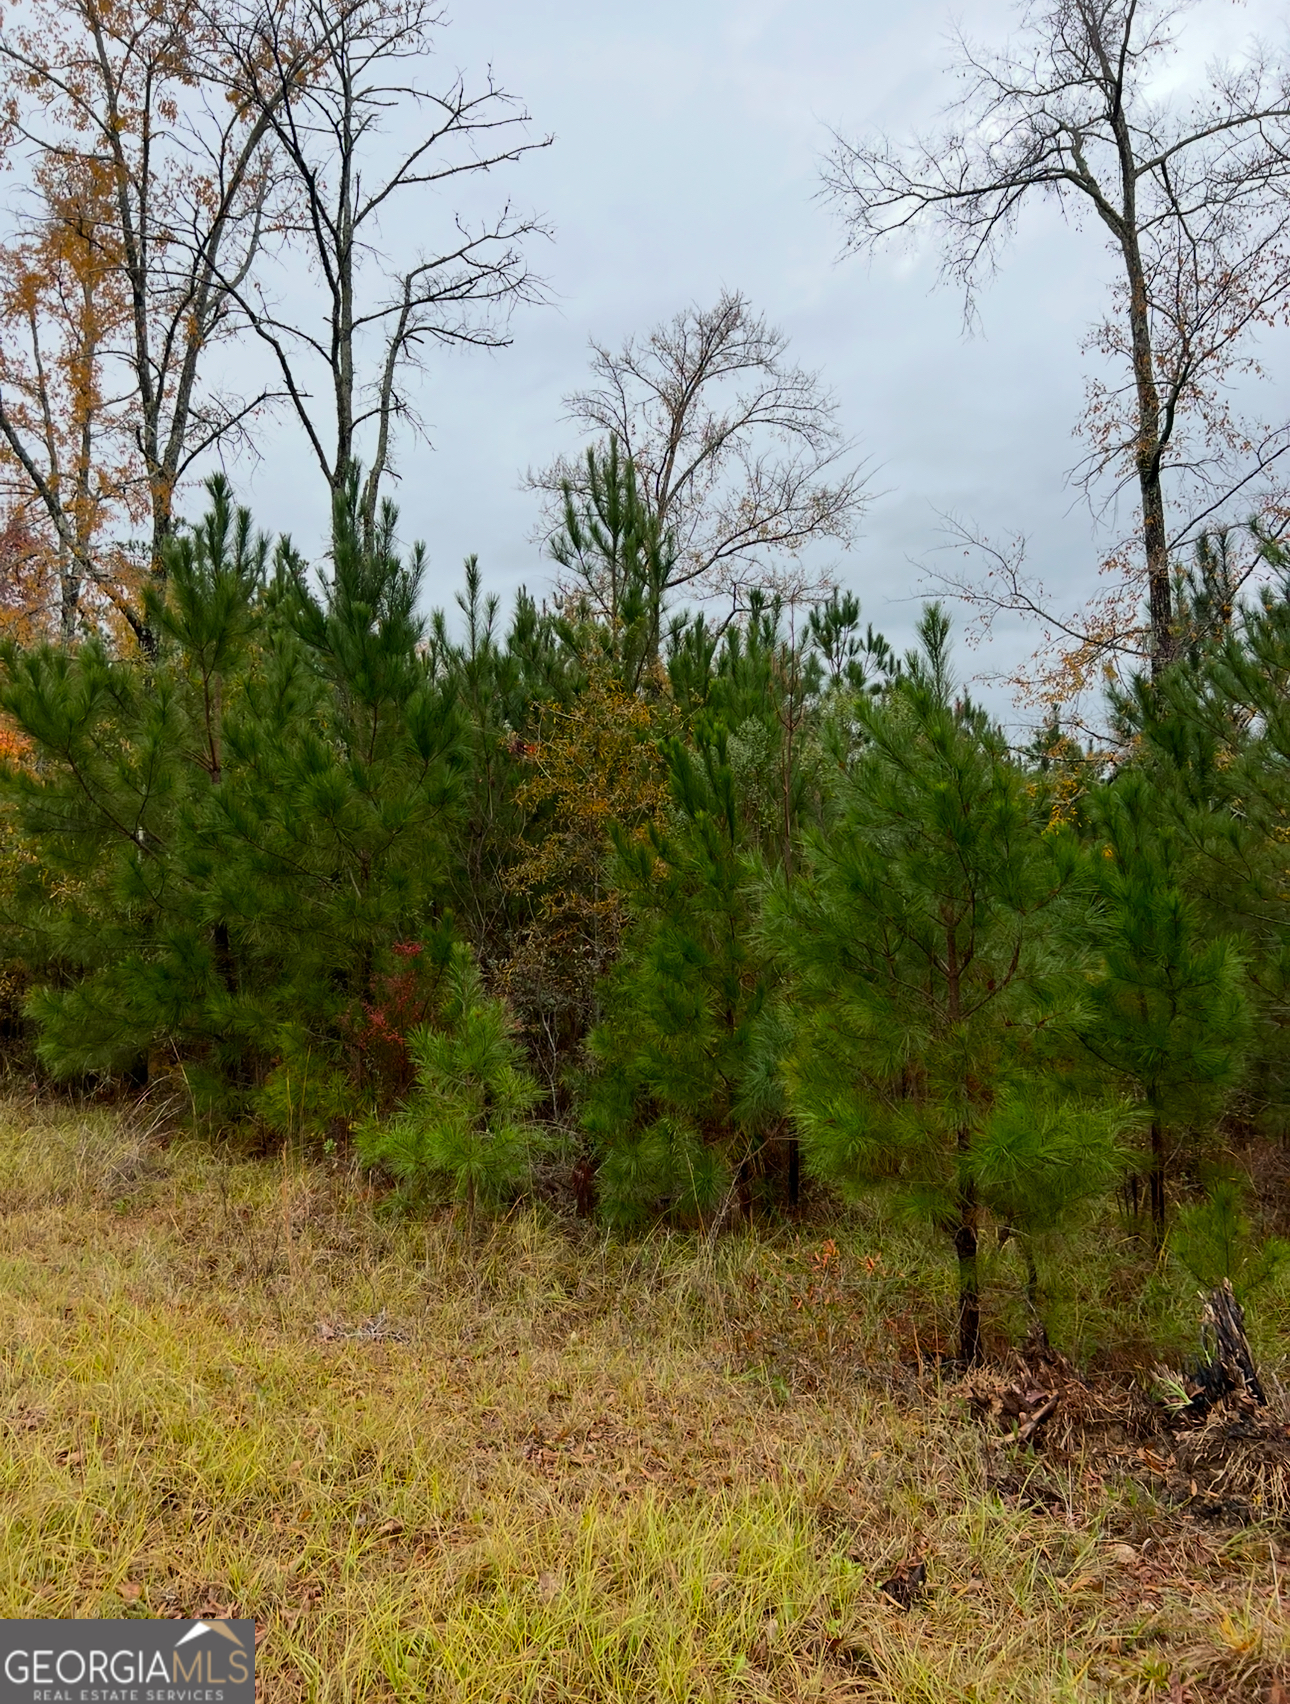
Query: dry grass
526, 1466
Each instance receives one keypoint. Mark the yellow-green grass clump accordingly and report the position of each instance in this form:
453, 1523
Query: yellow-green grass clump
527, 1463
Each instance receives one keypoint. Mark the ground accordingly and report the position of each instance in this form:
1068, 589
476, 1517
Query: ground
524, 1461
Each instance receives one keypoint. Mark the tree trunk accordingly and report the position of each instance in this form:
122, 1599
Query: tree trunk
1156, 1184
1231, 1368
1032, 1277
69, 600
1151, 437
1147, 456
965, 1247
744, 1188
225, 963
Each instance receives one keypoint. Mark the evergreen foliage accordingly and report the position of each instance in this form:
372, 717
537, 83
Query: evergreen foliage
1168, 1013
684, 1111
618, 559
854, 663
744, 897
933, 945
682, 1003
242, 831
1215, 1239
1214, 739
465, 1123
506, 686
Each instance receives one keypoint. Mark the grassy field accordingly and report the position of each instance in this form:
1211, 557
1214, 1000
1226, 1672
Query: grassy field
527, 1463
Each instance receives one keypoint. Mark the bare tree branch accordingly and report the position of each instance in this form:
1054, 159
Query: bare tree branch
738, 454
125, 119
1192, 197
346, 372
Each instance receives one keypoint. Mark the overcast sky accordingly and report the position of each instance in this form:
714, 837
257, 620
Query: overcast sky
688, 142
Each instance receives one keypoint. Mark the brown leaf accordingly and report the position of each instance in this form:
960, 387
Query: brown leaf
907, 1584
130, 1591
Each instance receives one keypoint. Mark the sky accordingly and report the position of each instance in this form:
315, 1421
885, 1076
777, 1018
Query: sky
689, 136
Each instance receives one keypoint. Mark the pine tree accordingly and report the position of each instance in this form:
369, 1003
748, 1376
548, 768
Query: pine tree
857, 664
245, 829
681, 1005
932, 945
505, 684
465, 1124
1168, 1015
684, 1105
562, 724
618, 560
120, 948
1213, 737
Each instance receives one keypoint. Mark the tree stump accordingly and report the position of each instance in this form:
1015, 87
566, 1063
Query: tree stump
1230, 1369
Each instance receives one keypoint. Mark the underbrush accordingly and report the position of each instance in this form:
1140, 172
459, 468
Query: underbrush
530, 1462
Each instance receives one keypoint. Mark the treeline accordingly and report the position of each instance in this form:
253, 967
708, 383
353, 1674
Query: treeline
681, 916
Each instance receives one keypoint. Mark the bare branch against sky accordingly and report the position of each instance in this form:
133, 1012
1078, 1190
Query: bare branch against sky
1190, 193
738, 451
371, 152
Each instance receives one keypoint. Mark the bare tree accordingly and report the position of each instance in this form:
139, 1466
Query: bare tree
354, 186
129, 109
737, 454
1192, 198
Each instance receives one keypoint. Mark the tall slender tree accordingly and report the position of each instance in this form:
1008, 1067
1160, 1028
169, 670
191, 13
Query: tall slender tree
1190, 194
369, 152
154, 185
933, 948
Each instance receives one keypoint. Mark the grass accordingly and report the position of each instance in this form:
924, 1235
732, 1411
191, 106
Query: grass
528, 1464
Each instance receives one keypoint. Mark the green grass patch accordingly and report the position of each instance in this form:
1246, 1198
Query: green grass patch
528, 1463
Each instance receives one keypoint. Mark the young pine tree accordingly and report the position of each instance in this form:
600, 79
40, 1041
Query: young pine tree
931, 949
464, 1125
667, 1105
686, 1106
1213, 735
505, 683
617, 562
1168, 1016
245, 829
122, 944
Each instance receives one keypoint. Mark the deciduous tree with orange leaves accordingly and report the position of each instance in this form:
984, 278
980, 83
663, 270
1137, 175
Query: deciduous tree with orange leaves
150, 192
70, 473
